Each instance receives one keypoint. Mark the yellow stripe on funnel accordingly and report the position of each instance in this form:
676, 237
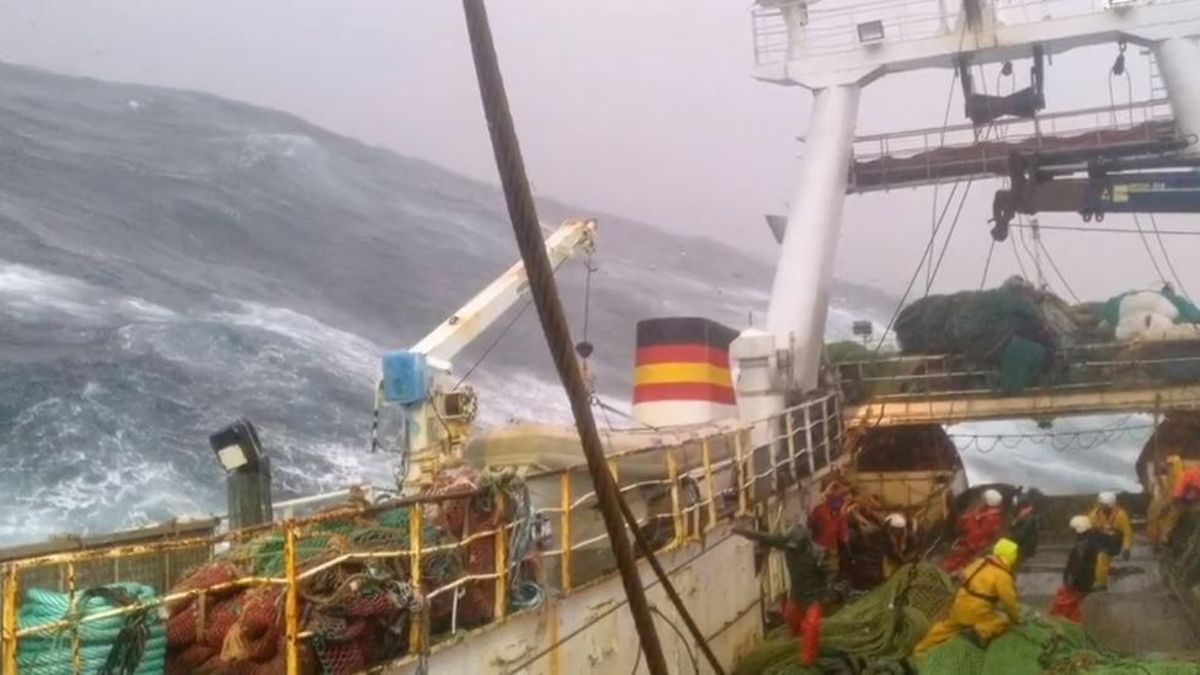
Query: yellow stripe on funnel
665, 373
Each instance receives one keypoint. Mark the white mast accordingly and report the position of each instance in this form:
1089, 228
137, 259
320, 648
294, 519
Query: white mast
836, 47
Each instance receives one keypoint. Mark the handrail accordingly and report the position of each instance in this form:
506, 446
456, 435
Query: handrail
799, 443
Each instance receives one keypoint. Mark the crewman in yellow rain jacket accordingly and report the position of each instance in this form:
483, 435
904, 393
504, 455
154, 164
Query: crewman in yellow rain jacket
1108, 517
1159, 516
986, 603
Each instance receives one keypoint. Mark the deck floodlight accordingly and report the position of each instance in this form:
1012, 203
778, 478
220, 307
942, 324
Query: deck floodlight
871, 31
1120, 4
247, 474
237, 446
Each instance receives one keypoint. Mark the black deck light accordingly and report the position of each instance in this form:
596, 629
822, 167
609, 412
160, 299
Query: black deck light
247, 473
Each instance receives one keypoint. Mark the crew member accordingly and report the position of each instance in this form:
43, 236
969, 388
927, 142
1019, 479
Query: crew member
1108, 517
978, 529
1159, 514
986, 603
1187, 489
898, 544
1080, 572
1025, 524
828, 525
1185, 496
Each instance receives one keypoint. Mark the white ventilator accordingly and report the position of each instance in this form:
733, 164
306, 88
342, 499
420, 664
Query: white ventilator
992, 498
897, 520
1081, 524
1107, 499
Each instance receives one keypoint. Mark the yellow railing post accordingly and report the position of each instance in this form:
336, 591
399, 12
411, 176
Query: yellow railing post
709, 482
676, 505
12, 580
501, 558
739, 452
76, 646
416, 633
565, 529
292, 600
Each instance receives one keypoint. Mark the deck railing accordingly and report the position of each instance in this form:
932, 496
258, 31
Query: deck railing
824, 27
685, 488
1091, 366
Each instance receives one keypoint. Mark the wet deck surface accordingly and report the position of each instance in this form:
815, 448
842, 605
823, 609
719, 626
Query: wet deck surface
1138, 612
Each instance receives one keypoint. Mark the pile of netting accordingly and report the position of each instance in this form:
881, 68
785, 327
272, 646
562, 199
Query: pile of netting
878, 628
356, 612
130, 643
1038, 645
874, 634
980, 324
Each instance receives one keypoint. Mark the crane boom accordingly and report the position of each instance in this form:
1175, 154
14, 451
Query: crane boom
445, 342
438, 411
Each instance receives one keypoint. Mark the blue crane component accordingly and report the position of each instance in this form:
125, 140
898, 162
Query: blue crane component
1151, 192
1095, 186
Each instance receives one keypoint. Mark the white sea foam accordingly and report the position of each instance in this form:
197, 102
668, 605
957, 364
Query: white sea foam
28, 292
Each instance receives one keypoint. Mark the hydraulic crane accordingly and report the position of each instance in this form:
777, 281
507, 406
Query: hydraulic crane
1144, 178
438, 409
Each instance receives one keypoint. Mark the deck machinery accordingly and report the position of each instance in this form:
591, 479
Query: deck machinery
836, 49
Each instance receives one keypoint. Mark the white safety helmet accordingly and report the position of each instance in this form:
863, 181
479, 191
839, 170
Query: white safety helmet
1107, 499
1081, 524
992, 498
897, 520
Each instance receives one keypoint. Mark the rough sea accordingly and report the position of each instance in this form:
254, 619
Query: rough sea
171, 261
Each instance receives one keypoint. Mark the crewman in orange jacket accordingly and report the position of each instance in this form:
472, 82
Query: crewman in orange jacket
1187, 488
986, 603
1107, 518
978, 529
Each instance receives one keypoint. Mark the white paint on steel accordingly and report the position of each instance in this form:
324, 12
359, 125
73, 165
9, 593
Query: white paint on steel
681, 412
1178, 60
800, 295
823, 49
481, 311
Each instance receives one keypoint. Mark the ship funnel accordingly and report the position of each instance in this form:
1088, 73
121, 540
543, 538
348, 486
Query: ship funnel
681, 372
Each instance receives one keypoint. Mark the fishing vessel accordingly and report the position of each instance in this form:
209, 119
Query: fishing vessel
495, 557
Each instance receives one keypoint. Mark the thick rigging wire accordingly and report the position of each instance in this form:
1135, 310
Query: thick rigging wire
925, 255
1054, 266
1025, 245
487, 351
1109, 230
1166, 256
1149, 252
933, 218
987, 264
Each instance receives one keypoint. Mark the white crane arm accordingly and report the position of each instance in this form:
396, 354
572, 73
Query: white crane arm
480, 312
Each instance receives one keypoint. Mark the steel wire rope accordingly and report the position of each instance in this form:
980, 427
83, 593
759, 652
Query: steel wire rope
1110, 230
933, 234
941, 141
1166, 256
987, 264
1149, 252
1054, 266
1017, 256
505, 331
1025, 245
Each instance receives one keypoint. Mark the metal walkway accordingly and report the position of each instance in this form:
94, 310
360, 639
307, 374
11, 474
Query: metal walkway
1095, 379
934, 155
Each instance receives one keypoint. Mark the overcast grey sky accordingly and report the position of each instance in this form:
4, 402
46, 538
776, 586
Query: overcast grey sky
642, 108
